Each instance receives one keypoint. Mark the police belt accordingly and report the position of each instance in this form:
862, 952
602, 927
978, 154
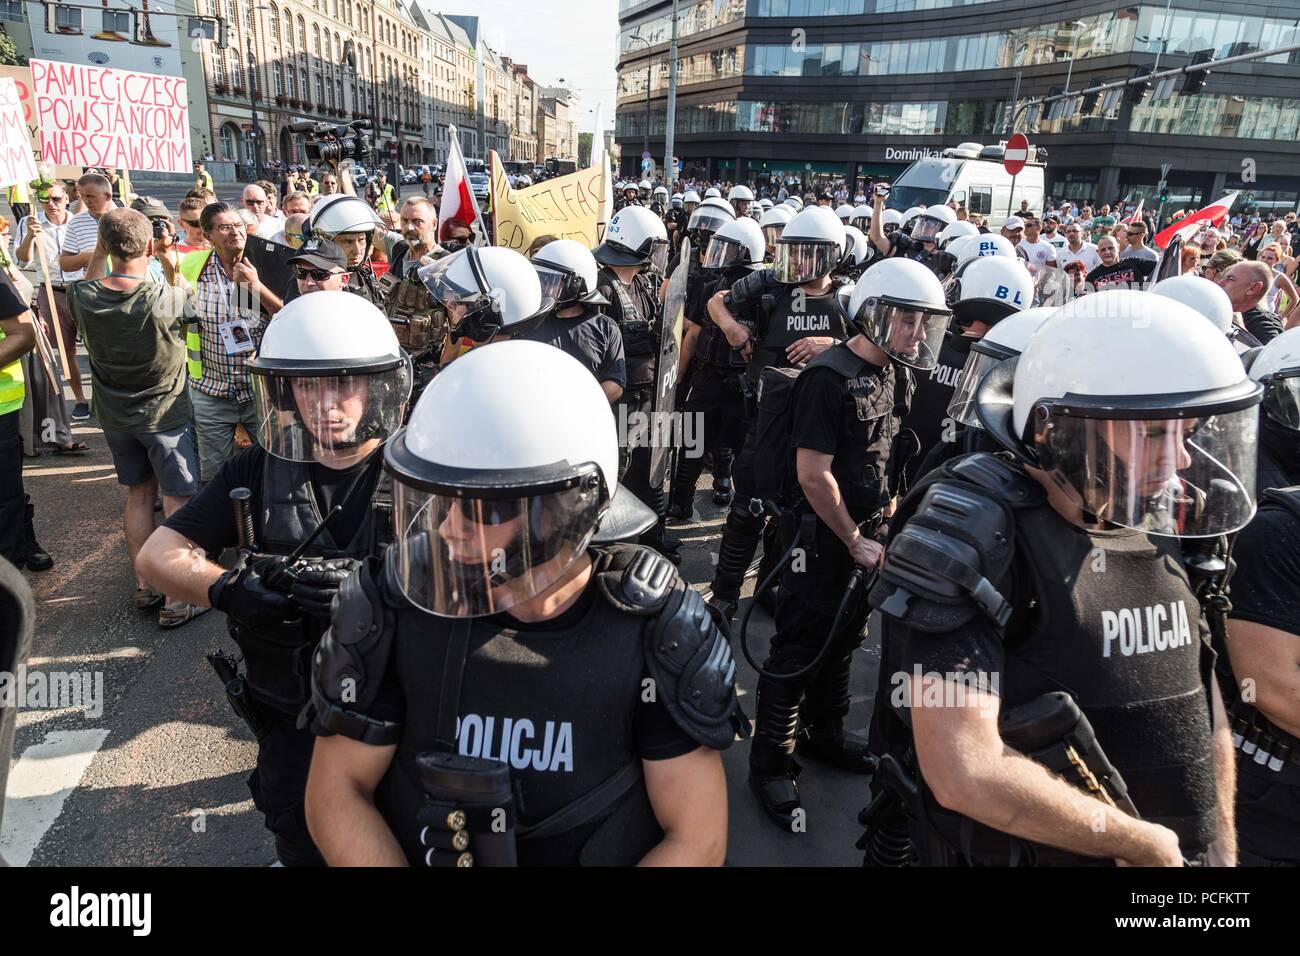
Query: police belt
1263, 741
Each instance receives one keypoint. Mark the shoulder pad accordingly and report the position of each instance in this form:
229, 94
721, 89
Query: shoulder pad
350, 660
941, 568
999, 476
689, 657
750, 288
636, 579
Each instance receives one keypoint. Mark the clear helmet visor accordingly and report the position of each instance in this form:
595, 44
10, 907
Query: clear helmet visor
962, 407
708, 219
799, 262
910, 334
926, 229
772, 233
468, 311
334, 419
1282, 400
466, 556
659, 256
1187, 477
560, 286
723, 254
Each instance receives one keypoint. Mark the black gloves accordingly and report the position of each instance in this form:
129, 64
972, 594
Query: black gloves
243, 593
316, 582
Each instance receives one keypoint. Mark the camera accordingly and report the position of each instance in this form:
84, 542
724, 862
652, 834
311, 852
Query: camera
882, 189
158, 232
327, 143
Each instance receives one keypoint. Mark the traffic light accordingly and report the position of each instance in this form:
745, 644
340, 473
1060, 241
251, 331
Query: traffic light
1195, 82
1137, 91
1164, 195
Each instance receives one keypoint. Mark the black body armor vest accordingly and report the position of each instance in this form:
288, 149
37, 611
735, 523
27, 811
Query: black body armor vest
781, 326
636, 313
934, 389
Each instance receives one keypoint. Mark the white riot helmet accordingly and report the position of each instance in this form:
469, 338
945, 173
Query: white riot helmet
1005, 340
1135, 407
891, 220
713, 193
736, 243
773, 222
898, 304
335, 215
567, 271
690, 199
486, 292
845, 213
644, 188
1277, 368
861, 217
931, 221
330, 382
859, 248
635, 236
1200, 294
989, 289
709, 216
956, 245
955, 230
811, 245
909, 218
986, 244
677, 200
765, 204
795, 202
661, 192
740, 197
502, 479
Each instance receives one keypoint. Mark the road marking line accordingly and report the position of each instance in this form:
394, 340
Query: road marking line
40, 784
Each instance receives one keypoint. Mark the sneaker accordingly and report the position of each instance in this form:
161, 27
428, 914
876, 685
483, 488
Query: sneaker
81, 412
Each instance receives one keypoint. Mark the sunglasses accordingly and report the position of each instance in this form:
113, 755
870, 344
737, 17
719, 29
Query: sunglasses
255, 202
192, 223
318, 275
56, 198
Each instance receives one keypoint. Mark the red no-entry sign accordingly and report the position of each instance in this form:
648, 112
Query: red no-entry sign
1016, 154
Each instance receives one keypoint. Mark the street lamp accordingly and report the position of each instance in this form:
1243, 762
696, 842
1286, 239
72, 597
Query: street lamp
649, 64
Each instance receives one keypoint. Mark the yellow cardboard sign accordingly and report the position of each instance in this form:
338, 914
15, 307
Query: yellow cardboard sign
568, 207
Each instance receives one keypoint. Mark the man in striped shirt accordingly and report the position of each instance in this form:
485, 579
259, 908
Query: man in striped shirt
78, 246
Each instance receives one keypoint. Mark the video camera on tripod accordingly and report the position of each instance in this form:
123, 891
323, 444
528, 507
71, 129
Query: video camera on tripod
327, 143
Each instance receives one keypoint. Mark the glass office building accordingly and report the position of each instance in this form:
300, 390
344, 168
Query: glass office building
853, 89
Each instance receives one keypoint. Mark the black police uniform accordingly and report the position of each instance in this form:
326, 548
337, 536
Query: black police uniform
934, 389
768, 308
593, 338
562, 702
716, 394
678, 219
288, 502
983, 579
849, 408
636, 309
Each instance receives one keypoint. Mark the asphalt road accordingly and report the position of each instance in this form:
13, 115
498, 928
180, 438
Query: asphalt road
158, 778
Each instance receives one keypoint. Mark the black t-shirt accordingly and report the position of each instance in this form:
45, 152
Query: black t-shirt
1266, 584
657, 735
1263, 324
207, 519
593, 338
817, 418
1125, 273
11, 303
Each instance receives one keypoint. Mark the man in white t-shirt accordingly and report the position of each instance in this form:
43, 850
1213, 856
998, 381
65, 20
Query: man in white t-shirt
1039, 253
1078, 249
1051, 231
259, 204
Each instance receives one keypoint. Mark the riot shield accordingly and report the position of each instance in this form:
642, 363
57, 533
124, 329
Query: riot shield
16, 623
666, 362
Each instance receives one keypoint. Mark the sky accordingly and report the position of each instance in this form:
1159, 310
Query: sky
576, 40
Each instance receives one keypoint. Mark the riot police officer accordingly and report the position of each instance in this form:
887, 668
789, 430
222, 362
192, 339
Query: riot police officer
633, 260
484, 295
331, 384
780, 317
1209, 299
503, 645
741, 198
1045, 694
845, 412
986, 291
1264, 624
350, 223
577, 326
715, 394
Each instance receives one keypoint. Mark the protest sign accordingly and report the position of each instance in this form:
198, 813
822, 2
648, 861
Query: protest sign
16, 164
22, 77
567, 207
96, 116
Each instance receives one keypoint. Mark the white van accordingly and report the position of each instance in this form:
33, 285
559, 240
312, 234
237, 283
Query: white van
972, 176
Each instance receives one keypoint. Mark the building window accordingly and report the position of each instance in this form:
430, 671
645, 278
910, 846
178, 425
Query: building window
277, 79
229, 137
302, 36
275, 23
117, 21
67, 19
12, 10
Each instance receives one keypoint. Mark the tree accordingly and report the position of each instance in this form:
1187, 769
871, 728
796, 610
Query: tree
584, 150
9, 55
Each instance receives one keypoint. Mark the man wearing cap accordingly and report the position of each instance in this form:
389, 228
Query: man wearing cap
1013, 229
201, 176
164, 240
320, 266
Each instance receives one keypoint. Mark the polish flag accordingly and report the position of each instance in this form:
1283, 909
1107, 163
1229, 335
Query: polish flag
1212, 215
1134, 216
457, 196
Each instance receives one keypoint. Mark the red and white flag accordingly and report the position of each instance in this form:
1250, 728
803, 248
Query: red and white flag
458, 201
1211, 215
1134, 216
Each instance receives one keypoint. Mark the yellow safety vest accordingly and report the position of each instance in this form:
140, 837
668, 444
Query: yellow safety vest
192, 264
387, 201
204, 179
18, 193
11, 384
313, 187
